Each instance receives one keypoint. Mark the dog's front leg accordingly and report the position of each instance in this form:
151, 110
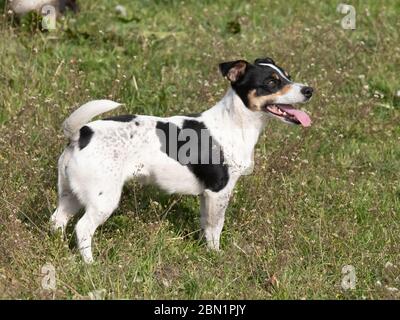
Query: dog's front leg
212, 209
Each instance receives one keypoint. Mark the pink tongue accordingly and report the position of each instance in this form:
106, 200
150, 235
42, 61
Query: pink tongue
301, 116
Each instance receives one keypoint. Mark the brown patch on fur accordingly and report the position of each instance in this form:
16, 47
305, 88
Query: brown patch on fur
236, 72
284, 90
256, 103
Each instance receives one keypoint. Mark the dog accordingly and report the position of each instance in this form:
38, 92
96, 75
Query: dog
202, 154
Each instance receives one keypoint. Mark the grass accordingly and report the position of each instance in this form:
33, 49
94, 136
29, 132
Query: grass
319, 199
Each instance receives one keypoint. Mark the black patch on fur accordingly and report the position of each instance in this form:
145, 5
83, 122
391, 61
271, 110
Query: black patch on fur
100, 193
85, 135
264, 60
137, 123
256, 77
215, 176
270, 61
122, 118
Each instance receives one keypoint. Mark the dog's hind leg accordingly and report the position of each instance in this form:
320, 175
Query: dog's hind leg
68, 203
99, 208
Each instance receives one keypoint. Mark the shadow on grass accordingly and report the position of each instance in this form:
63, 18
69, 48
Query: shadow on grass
151, 205
145, 203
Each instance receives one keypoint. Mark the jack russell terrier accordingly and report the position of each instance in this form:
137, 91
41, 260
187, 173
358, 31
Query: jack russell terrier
202, 154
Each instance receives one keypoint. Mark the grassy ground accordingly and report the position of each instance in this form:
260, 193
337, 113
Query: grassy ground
319, 199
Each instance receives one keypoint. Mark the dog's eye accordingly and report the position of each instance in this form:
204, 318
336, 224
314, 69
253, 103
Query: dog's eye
271, 83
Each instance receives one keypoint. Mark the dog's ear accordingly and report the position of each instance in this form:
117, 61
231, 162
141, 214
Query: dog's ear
233, 70
264, 60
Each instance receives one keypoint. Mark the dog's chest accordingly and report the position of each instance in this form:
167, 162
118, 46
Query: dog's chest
238, 147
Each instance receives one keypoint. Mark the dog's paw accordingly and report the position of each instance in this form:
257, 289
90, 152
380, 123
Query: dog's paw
58, 222
88, 259
213, 245
56, 227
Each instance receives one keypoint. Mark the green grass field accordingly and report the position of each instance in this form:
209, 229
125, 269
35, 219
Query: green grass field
319, 198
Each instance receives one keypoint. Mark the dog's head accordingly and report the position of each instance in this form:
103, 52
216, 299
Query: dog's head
265, 87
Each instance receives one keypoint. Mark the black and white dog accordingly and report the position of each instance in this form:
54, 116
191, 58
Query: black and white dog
202, 154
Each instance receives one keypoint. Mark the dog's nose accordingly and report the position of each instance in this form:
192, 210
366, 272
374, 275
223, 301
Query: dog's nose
307, 92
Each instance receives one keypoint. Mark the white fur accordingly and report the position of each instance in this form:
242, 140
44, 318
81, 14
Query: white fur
276, 69
294, 95
85, 113
118, 151
24, 6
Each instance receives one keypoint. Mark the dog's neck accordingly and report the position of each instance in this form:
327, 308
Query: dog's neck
234, 125
230, 112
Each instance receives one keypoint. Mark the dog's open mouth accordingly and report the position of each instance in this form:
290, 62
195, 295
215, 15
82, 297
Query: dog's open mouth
290, 114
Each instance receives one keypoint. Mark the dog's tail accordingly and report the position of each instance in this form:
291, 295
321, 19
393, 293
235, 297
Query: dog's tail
84, 114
